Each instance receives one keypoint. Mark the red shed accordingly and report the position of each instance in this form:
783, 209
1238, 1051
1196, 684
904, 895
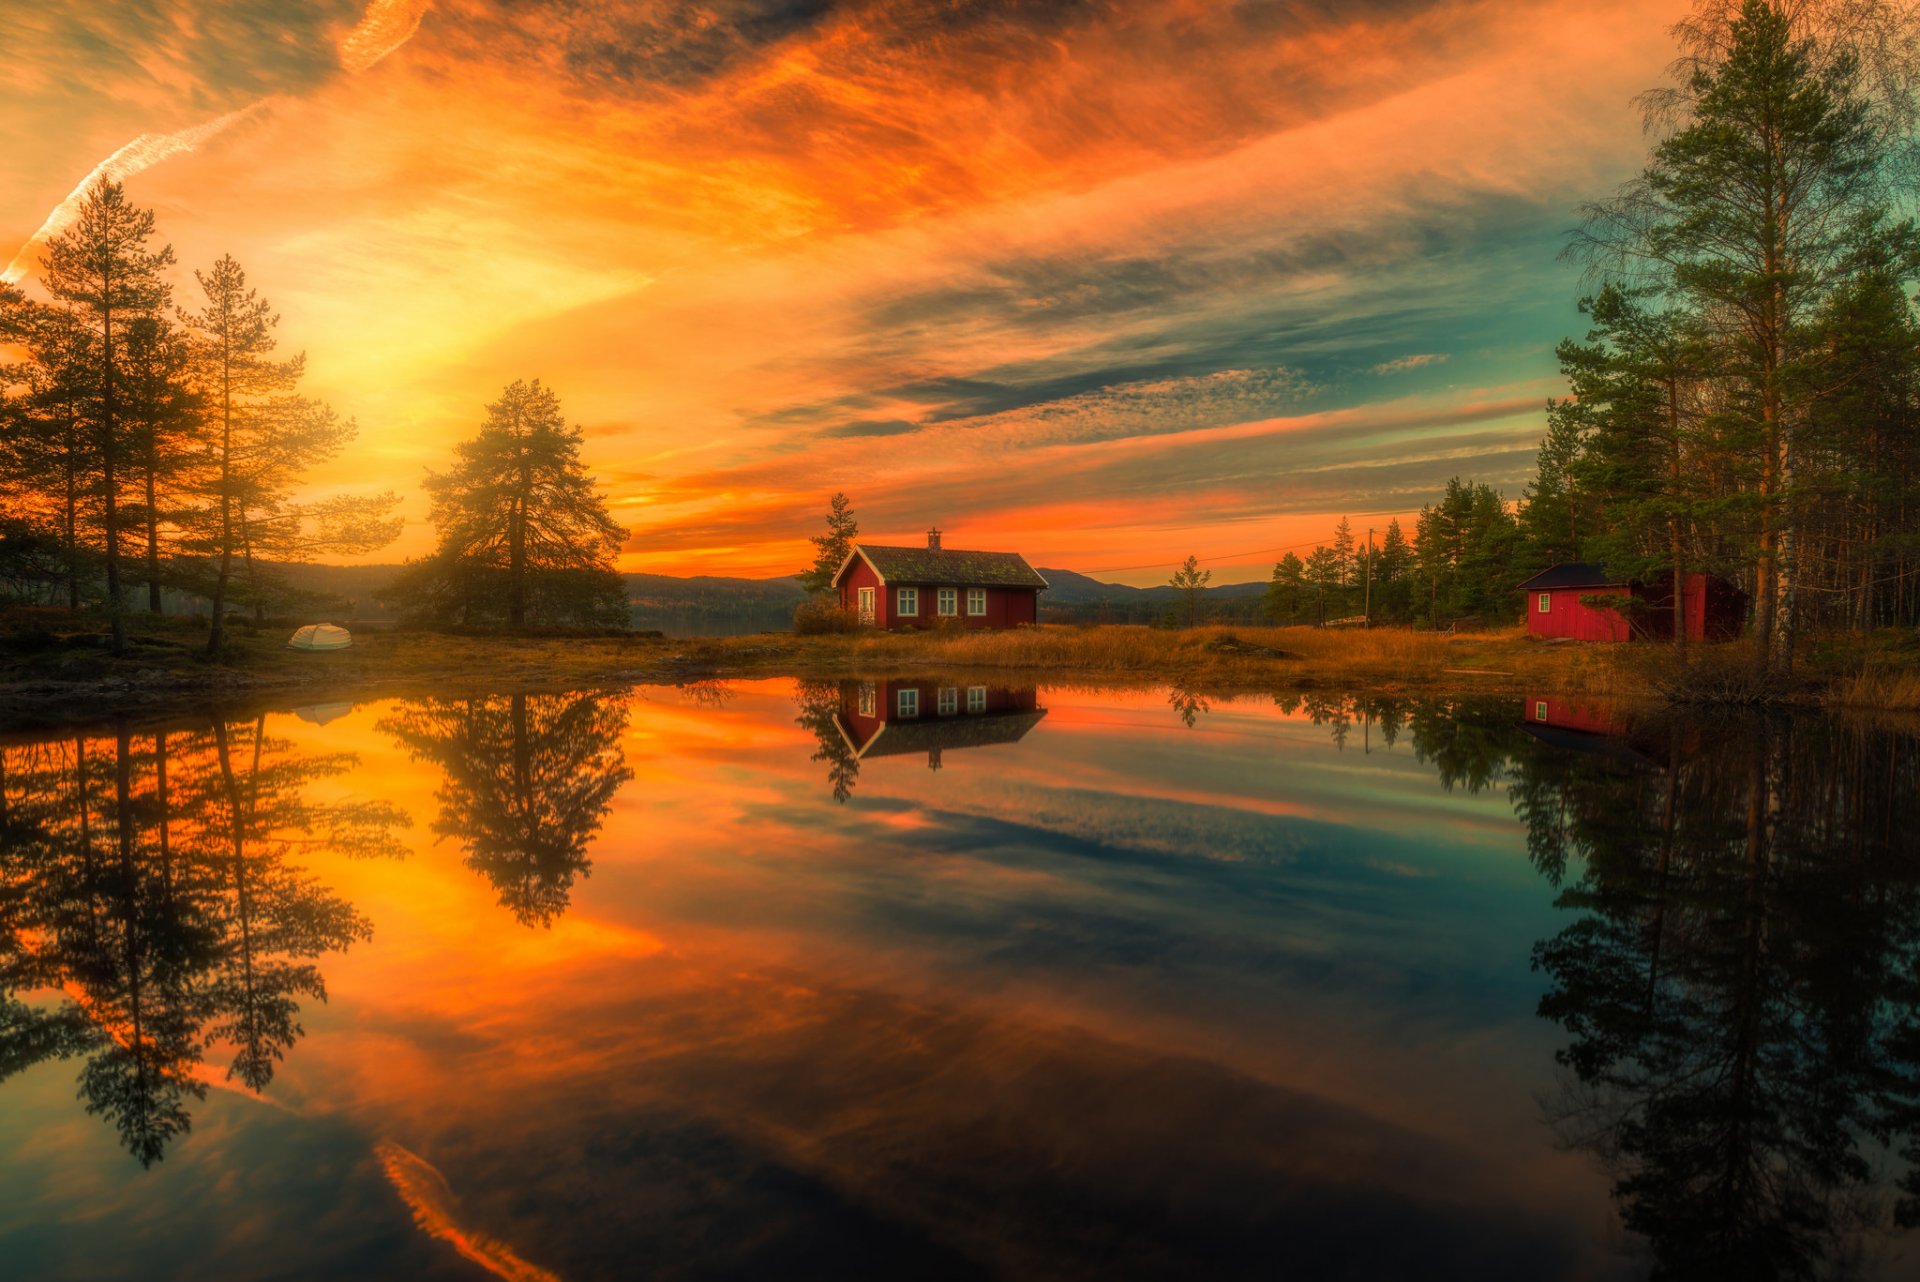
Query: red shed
893, 587
1713, 608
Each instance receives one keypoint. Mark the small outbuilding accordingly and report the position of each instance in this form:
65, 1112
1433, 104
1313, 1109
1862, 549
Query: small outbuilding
893, 587
1558, 606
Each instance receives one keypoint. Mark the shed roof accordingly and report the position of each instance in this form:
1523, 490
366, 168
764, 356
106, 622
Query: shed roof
949, 566
1573, 574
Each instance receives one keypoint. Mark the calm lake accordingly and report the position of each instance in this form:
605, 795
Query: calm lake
932, 979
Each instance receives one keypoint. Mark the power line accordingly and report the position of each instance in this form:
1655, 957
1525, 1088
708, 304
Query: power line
1224, 556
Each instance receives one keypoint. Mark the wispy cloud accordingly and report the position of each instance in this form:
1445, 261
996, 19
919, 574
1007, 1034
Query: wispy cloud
1085, 278
1401, 364
386, 25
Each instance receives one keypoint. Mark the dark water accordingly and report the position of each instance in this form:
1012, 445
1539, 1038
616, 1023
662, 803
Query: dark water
936, 980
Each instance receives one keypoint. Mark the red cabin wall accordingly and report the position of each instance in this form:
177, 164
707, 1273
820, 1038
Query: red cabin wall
1712, 609
1006, 607
1569, 618
860, 575
1575, 714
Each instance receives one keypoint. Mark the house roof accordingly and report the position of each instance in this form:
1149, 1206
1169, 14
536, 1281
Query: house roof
1572, 574
896, 737
947, 566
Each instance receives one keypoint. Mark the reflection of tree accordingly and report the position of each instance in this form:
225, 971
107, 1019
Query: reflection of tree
1739, 988
1189, 705
1740, 976
135, 885
819, 703
528, 780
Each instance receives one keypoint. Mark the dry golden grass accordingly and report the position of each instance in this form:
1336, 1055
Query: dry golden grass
1217, 657
1881, 673
1876, 689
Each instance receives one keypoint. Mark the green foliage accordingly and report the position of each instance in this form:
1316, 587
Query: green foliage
831, 548
1762, 219
1287, 590
1192, 581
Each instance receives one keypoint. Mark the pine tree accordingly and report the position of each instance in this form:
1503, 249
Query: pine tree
258, 436
161, 413
831, 548
102, 268
524, 533
1192, 581
1751, 213
1346, 565
1324, 575
1392, 568
1285, 590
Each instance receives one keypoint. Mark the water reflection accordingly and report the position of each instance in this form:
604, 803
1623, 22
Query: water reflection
1739, 977
154, 883
1099, 998
528, 779
853, 721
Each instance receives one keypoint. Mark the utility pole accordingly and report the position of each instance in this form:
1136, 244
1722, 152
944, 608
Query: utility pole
1366, 610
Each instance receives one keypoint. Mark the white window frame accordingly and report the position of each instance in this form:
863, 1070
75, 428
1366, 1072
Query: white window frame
976, 698
947, 602
906, 702
867, 701
948, 701
868, 612
1546, 603
976, 602
1540, 710
906, 601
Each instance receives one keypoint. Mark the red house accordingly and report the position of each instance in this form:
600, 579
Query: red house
1713, 608
921, 587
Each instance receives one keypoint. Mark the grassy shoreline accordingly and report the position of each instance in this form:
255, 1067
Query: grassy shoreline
51, 678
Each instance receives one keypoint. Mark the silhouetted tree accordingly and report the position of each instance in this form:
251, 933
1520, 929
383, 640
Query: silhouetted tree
831, 548
102, 269
524, 533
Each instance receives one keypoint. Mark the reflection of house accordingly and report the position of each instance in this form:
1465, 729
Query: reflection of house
895, 718
1714, 609
1582, 725
924, 587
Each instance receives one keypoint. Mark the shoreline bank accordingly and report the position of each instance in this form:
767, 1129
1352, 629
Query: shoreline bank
71, 679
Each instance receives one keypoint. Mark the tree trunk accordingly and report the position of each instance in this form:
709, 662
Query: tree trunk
116, 606
153, 533
217, 637
73, 514
1673, 517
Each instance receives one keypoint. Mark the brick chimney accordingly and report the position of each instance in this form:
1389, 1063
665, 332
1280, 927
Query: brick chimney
933, 540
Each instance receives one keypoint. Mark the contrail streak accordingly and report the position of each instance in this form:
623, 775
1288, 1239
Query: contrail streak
384, 27
426, 1194
142, 153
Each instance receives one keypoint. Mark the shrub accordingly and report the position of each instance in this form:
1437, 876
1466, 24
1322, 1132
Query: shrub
818, 616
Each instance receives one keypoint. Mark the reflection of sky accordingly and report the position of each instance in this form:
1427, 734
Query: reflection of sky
1122, 998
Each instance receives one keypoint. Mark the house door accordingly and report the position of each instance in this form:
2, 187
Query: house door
866, 605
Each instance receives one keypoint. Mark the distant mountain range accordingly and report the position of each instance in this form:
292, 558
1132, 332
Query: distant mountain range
708, 604
1071, 588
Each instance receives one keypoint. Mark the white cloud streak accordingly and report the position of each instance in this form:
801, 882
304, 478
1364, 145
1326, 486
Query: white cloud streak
383, 28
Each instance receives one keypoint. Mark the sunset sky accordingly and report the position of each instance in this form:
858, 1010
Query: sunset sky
1106, 282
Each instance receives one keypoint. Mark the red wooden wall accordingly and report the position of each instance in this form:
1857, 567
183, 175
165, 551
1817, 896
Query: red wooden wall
1006, 607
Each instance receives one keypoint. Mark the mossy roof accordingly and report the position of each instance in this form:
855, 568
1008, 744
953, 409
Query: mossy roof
952, 566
